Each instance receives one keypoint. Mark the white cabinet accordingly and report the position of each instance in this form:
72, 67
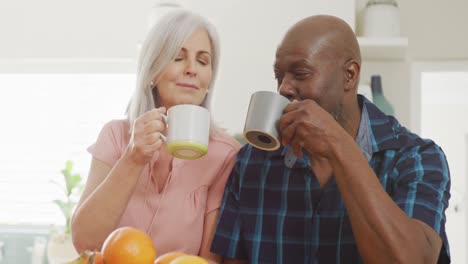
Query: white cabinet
388, 58
383, 48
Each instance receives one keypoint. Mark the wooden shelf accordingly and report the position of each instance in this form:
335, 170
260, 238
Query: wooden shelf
373, 48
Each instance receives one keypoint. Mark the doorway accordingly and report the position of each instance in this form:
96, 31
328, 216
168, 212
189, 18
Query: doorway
443, 118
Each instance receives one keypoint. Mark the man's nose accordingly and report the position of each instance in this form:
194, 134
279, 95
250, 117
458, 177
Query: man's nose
286, 88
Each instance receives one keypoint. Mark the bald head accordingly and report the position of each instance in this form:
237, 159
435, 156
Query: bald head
319, 59
327, 35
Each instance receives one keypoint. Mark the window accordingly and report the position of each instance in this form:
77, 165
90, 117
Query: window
49, 118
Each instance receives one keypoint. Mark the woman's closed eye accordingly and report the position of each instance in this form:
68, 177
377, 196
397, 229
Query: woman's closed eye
203, 59
202, 62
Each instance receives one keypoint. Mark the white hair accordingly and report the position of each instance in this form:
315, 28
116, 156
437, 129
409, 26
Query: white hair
162, 44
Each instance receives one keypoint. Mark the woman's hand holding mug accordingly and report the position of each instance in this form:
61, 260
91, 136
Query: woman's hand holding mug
188, 131
186, 136
146, 136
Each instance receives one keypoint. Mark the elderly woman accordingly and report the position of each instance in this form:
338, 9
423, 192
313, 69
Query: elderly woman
133, 180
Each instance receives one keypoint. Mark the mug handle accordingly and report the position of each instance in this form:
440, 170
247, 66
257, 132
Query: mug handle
163, 137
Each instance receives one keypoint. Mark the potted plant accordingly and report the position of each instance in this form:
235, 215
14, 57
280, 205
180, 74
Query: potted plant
60, 247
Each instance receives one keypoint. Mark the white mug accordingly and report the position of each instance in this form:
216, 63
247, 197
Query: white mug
261, 123
188, 131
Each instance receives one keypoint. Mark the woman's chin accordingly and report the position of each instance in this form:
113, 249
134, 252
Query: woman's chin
192, 101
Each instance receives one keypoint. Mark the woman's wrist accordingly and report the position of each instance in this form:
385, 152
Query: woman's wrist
131, 159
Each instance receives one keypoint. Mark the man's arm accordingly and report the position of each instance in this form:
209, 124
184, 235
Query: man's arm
383, 231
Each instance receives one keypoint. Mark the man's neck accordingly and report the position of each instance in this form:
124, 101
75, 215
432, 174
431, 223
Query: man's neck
351, 119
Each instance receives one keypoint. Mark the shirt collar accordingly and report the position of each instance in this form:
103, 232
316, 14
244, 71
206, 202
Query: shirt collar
363, 138
383, 129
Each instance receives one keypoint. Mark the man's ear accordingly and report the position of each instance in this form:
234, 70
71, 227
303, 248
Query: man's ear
351, 71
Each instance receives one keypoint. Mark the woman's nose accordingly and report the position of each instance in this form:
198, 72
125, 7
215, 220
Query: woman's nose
190, 68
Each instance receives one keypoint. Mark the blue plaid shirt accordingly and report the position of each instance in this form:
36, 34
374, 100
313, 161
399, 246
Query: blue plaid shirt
275, 214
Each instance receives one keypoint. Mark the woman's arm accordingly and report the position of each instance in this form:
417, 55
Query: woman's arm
108, 189
208, 232
102, 203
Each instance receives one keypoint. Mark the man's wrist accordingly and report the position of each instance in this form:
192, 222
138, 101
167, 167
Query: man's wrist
341, 145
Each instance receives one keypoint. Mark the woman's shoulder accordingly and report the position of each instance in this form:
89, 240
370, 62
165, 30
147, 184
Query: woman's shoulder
111, 142
117, 124
117, 127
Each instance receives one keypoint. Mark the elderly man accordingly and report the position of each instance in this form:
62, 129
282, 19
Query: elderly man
363, 188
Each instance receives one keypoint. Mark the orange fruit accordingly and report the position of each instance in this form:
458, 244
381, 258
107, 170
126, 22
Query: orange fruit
89, 257
98, 258
168, 257
188, 259
128, 245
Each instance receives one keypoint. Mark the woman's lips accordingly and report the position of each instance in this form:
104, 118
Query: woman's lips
187, 85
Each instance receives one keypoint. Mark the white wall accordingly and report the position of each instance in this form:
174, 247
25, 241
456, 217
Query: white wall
437, 30
88, 30
76, 29
250, 32
93, 31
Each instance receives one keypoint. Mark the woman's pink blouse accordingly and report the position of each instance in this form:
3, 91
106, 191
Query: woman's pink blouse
195, 188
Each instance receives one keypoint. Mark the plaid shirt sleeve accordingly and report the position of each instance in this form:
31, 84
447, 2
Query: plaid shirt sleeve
422, 185
227, 240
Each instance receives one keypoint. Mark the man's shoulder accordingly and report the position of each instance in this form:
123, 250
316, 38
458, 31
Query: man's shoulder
411, 141
405, 147
389, 134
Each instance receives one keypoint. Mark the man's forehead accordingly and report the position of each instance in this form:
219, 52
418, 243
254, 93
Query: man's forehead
296, 52
292, 47
293, 60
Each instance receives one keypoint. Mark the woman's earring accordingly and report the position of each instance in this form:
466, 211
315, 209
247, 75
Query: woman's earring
152, 85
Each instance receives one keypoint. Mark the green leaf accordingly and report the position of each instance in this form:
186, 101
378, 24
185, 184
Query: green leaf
73, 187
68, 165
75, 180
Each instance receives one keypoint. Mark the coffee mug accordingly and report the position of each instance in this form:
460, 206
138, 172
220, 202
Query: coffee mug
261, 123
188, 131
